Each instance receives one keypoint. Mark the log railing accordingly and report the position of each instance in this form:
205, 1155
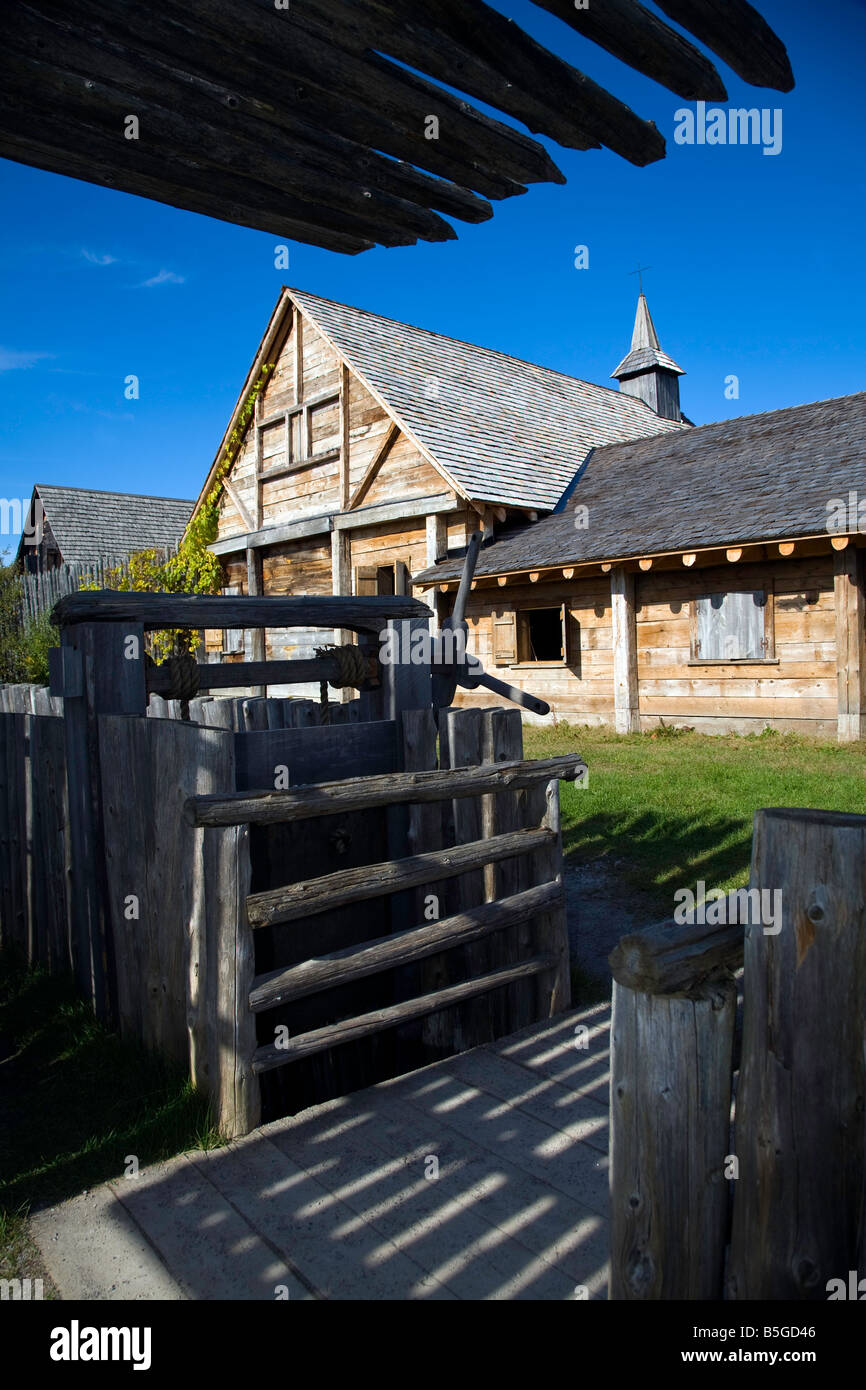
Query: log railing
546, 955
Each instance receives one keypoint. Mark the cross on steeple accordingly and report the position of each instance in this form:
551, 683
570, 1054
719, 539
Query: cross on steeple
639, 273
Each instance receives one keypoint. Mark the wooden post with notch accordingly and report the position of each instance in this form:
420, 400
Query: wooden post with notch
798, 1200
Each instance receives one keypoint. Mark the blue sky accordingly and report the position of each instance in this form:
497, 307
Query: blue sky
757, 270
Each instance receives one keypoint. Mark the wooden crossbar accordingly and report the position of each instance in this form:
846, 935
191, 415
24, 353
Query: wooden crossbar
231, 674
391, 876
385, 952
158, 611
391, 789
320, 1039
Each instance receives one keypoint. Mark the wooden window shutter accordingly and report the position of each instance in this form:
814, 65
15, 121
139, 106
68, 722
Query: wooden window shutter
505, 638
401, 578
570, 638
365, 580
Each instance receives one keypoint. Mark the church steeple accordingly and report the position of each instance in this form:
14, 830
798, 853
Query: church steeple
647, 372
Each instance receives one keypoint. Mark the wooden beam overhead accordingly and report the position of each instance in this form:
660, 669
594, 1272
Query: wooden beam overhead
839, 542
786, 547
734, 554
646, 43
502, 580
305, 121
689, 558
645, 564
568, 573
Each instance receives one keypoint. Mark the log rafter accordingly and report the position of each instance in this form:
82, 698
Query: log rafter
306, 121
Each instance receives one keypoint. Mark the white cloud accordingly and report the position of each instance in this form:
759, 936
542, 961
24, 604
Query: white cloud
16, 361
165, 277
96, 259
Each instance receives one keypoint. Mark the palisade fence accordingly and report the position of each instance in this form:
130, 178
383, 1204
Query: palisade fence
292, 898
40, 591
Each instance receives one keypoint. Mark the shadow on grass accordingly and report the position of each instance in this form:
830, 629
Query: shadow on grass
658, 852
76, 1101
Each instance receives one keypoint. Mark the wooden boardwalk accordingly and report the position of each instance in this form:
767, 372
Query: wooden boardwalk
481, 1177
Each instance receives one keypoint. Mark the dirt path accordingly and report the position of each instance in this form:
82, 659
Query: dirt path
601, 909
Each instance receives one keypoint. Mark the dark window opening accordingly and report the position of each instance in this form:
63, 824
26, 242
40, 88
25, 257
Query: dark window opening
542, 635
385, 579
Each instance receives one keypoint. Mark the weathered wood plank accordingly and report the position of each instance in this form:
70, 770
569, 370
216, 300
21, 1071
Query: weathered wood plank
401, 948
736, 32
670, 1101
50, 855
310, 752
799, 1125
306, 1044
159, 611
632, 33
669, 956
360, 793
375, 880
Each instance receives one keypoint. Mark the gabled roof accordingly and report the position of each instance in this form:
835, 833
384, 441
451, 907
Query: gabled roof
90, 525
497, 428
646, 349
500, 429
756, 478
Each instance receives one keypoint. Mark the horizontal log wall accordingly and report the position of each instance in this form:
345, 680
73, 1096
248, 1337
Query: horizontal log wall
797, 691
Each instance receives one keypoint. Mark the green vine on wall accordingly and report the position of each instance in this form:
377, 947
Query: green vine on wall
194, 569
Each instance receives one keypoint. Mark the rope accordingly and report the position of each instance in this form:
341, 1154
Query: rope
183, 674
353, 666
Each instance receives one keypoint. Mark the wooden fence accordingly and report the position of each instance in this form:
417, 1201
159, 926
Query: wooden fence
295, 899
767, 1203
34, 854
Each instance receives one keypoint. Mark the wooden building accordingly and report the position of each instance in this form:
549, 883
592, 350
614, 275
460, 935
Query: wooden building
712, 577
376, 449
80, 526
635, 568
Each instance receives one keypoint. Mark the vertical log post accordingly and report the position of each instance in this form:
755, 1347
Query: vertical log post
850, 600
798, 1202
626, 702
103, 673
670, 1102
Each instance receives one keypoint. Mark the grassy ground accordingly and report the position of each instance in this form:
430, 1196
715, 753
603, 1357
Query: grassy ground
74, 1103
678, 807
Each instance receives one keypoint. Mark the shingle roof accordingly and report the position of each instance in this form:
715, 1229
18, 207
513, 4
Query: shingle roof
759, 477
503, 430
91, 525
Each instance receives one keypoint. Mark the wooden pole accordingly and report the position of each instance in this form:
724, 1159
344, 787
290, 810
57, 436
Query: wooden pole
670, 1100
850, 600
798, 1201
624, 637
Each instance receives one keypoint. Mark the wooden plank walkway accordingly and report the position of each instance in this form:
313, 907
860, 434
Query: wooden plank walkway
481, 1177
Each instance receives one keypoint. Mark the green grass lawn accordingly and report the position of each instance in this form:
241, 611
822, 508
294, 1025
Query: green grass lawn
678, 807
75, 1101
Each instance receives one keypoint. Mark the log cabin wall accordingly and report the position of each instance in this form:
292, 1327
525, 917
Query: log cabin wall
793, 688
322, 450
